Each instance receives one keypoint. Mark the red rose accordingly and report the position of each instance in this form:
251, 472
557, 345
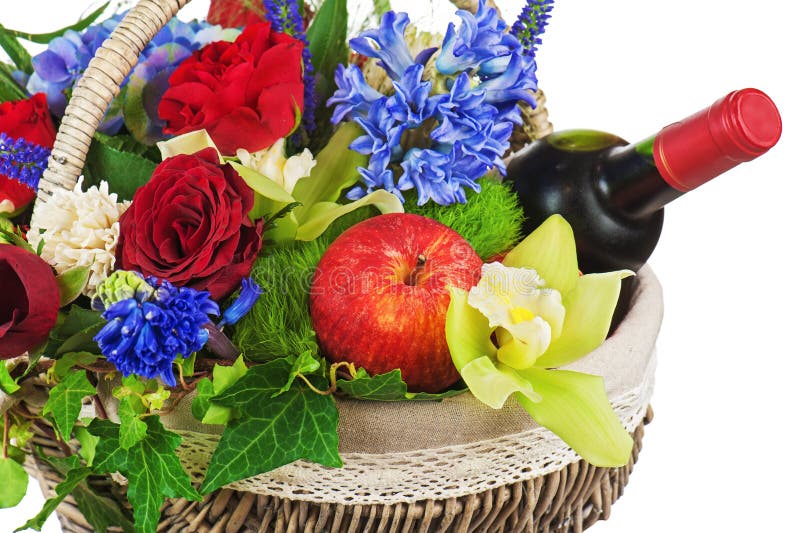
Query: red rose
246, 94
29, 120
235, 13
29, 301
189, 225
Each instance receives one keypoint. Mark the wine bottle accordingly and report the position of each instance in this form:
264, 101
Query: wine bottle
613, 192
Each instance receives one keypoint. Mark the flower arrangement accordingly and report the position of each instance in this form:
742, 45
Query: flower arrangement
270, 219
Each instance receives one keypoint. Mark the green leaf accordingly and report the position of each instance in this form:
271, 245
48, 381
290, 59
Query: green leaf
550, 250
224, 377
65, 400
590, 306
10, 90
575, 407
132, 429
388, 387
73, 478
153, 469
322, 214
7, 383
336, 170
273, 431
69, 360
127, 143
306, 363
45, 38
273, 197
75, 331
125, 172
14, 485
87, 441
71, 283
18, 54
100, 511
327, 37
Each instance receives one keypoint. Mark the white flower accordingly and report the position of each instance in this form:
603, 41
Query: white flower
79, 229
272, 163
527, 315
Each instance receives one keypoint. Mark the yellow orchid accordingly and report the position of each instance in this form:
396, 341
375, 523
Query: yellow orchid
528, 316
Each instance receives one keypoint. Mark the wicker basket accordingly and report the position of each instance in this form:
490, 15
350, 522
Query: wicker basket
560, 493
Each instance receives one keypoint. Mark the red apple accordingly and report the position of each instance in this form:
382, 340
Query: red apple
380, 293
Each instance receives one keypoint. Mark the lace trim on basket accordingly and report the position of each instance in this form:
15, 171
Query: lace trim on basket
434, 474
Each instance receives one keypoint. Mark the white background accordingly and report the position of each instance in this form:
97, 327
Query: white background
721, 454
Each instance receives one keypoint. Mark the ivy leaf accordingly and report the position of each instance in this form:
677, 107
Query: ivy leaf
273, 431
100, 511
388, 387
153, 469
72, 479
66, 398
87, 441
69, 360
132, 428
306, 363
224, 376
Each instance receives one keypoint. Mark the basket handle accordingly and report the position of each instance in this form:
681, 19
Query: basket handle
96, 89
100, 84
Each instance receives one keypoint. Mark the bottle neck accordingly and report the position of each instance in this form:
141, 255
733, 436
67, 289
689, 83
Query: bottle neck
630, 180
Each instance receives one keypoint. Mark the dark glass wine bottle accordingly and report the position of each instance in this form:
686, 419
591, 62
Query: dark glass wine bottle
613, 193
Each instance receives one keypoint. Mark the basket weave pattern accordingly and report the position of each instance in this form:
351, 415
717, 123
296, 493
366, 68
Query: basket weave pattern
567, 500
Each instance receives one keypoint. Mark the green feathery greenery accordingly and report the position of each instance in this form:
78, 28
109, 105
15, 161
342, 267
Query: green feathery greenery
279, 324
491, 221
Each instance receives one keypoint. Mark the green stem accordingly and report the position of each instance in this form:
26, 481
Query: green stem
5, 435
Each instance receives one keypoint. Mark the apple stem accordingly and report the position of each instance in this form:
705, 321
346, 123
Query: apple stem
413, 277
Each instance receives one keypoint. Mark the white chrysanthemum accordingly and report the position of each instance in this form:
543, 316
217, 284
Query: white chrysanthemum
79, 229
273, 164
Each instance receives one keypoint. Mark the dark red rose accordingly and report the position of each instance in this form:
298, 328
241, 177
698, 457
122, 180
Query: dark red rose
29, 301
29, 120
246, 94
189, 225
235, 13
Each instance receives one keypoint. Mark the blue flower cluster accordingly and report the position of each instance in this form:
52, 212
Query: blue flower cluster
531, 23
57, 69
285, 15
147, 332
22, 161
463, 117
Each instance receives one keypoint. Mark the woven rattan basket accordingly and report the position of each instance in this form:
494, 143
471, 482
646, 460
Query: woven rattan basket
436, 475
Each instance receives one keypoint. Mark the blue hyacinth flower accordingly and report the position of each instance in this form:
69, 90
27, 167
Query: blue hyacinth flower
353, 97
387, 44
480, 43
145, 334
244, 302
